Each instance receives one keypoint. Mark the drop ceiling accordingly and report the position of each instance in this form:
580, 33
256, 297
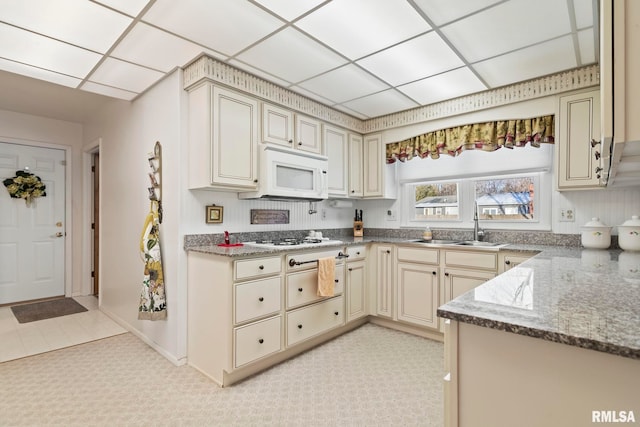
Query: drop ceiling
367, 58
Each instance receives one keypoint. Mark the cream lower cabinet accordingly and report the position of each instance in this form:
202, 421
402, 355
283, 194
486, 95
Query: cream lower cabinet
508, 260
384, 279
356, 283
418, 286
465, 270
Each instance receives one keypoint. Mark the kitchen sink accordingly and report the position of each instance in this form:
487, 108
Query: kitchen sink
476, 243
436, 242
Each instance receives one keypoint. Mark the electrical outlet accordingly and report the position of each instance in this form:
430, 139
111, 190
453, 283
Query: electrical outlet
391, 215
323, 214
567, 215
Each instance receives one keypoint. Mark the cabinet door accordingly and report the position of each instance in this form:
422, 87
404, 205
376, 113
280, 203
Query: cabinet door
335, 146
356, 290
373, 166
277, 125
384, 280
509, 260
356, 159
417, 294
308, 134
459, 281
578, 165
235, 139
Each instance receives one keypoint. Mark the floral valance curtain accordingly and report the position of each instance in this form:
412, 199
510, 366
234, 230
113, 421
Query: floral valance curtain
488, 136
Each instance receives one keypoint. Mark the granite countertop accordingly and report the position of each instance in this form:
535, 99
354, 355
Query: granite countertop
583, 297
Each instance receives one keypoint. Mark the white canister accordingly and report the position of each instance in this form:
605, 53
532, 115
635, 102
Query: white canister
629, 234
596, 235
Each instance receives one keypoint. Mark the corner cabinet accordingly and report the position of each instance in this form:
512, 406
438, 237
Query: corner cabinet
223, 139
579, 160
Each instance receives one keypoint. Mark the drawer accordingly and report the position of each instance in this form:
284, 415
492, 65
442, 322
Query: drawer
356, 253
308, 258
315, 319
256, 267
257, 299
471, 259
257, 340
420, 255
302, 286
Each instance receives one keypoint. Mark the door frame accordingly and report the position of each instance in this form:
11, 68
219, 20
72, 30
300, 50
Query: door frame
68, 195
87, 216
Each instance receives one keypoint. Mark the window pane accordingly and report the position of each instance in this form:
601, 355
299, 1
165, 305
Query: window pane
505, 199
436, 201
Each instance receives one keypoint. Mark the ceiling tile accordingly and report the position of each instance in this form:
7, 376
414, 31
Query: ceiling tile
412, 60
29, 48
583, 10
108, 91
221, 25
130, 7
381, 103
292, 56
508, 26
442, 12
154, 48
344, 83
546, 58
290, 9
81, 23
357, 28
123, 75
444, 86
587, 47
266, 76
39, 73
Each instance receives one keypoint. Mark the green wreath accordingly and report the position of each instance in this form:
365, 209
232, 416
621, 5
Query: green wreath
25, 185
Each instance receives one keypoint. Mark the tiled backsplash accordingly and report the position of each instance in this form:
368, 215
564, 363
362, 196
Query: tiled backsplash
515, 237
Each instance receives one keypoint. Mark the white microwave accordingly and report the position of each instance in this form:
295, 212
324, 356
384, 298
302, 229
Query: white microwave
287, 174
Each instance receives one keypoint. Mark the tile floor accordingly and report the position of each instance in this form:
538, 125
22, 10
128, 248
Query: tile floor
26, 339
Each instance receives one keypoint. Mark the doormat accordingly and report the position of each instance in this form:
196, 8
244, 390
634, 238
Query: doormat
46, 310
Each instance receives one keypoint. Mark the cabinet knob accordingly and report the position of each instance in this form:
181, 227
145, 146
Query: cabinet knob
260, 340
507, 262
261, 267
597, 155
255, 180
299, 289
336, 313
299, 326
350, 269
594, 143
336, 280
291, 141
388, 251
434, 273
357, 253
261, 299
353, 191
446, 274
300, 143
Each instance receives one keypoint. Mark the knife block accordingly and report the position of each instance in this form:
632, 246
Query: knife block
358, 229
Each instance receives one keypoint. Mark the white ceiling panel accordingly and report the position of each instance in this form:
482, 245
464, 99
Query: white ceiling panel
153, 48
108, 91
412, 60
130, 7
444, 11
357, 28
382, 103
123, 75
39, 73
443, 86
78, 22
587, 47
292, 56
583, 10
344, 83
290, 9
488, 33
221, 25
43, 52
536, 61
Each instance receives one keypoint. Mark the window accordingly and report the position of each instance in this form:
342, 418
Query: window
505, 199
436, 201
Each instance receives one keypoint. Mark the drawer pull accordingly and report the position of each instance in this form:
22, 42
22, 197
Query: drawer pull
261, 299
299, 326
336, 280
299, 289
261, 267
357, 253
336, 313
350, 269
260, 340
507, 262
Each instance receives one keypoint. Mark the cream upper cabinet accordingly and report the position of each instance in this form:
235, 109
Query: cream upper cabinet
336, 149
308, 134
223, 139
379, 178
277, 125
356, 159
579, 161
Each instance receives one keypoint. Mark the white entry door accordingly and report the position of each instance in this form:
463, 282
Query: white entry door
32, 237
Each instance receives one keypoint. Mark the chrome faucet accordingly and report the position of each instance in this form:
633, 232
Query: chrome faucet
478, 233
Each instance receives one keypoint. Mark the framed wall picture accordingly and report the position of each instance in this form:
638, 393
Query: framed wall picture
214, 214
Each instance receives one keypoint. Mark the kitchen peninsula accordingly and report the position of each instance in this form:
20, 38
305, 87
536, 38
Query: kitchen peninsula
554, 341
